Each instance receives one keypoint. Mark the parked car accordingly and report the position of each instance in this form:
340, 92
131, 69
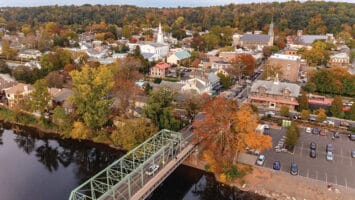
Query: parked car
330, 155
315, 131
353, 153
328, 122
296, 117
270, 113
336, 135
313, 153
277, 165
308, 130
344, 123
153, 168
352, 137
313, 146
294, 169
261, 159
329, 148
312, 118
322, 133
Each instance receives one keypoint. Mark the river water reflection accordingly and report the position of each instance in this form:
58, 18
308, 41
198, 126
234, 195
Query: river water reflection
35, 167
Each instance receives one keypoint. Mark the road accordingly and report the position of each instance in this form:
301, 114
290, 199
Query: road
340, 171
293, 113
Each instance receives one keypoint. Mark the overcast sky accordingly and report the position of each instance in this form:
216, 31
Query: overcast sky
143, 3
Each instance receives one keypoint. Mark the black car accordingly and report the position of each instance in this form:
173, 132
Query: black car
294, 169
313, 146
313, 153
315, 131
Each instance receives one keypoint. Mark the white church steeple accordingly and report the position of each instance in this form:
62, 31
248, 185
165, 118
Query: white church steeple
160, 37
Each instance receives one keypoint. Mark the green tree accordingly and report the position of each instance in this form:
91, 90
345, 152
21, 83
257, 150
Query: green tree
91, 88
61, 119
292, 136
40, 97
303, 102
352, 112
7, 51
336, 109
284, 110
159, 109
225, 80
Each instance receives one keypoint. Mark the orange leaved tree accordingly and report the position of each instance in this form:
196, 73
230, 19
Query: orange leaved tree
225, 129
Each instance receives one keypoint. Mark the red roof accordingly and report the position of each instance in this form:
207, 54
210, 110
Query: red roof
274, 100
162, 65
320, 100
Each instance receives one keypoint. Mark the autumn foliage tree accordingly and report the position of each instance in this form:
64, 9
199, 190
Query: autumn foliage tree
244, 63
226, 129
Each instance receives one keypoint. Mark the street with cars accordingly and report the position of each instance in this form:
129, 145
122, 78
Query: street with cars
327, 158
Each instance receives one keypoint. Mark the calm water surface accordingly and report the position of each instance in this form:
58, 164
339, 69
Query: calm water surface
35, 167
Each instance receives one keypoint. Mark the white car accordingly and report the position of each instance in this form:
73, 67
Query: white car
261, 159
153, 168
308, 130
330, 155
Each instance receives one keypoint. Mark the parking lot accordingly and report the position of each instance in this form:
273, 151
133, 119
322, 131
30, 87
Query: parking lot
340, 171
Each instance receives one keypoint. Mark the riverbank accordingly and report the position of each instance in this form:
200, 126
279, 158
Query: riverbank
281, 185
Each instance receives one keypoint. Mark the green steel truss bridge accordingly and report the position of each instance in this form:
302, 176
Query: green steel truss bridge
131, 176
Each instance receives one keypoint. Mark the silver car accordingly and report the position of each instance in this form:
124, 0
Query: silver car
153, 168
261, 159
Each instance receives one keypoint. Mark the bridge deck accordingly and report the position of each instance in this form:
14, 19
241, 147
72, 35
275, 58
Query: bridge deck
153, 183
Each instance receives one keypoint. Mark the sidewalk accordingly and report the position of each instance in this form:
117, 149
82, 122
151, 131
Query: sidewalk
282, 185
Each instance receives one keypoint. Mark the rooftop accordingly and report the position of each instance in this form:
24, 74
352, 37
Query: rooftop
285, 57
255, 38
276, 88
162, 65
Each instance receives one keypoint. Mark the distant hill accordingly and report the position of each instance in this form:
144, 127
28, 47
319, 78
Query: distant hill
288, 16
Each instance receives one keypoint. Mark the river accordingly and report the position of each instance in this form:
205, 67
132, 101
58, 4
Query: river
37, 167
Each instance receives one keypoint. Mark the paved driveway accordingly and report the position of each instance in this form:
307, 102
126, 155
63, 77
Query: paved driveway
340, 171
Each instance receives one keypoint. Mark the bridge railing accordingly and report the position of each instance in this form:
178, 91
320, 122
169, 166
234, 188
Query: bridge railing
127, 173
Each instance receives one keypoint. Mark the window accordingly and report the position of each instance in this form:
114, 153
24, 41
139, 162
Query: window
272, 105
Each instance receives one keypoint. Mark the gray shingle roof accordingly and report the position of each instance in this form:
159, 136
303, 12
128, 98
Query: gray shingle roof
255, 38
309, 39
276, 89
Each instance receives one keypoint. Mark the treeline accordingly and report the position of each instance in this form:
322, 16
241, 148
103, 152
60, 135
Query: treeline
314, 17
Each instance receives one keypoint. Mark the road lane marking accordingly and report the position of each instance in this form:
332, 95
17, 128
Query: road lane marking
326, 177
346, 183
336, 179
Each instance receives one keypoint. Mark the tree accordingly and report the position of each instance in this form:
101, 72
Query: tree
7, 51
352, 112
284, 111
40, 97
225, 129
321, 115
132, 132
159, 109
305, 114
61, 119
336, 109
91, 88
271, 71
292, 136
55, 79
303, 102
4, 68
225, 80
80, 131
245, 63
